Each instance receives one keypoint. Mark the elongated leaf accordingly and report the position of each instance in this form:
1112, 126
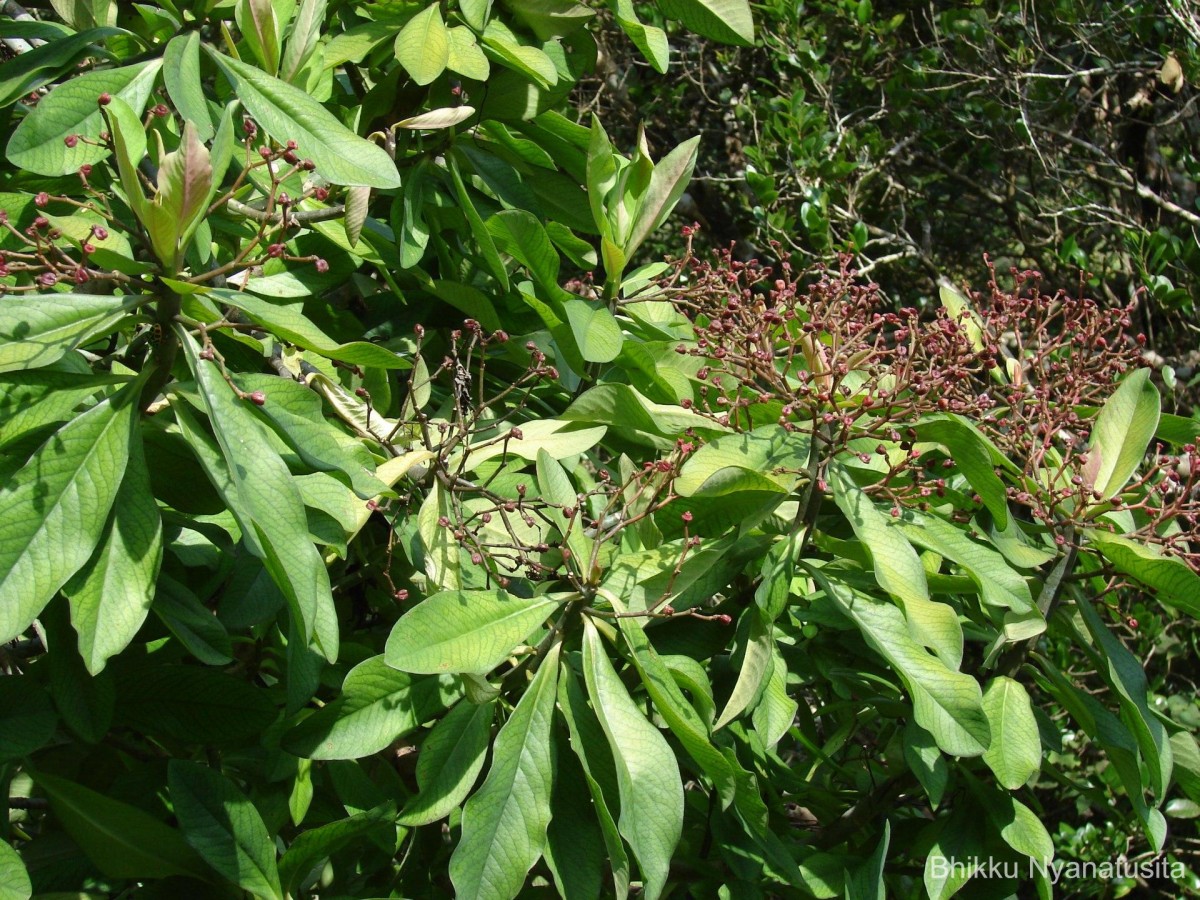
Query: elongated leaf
591, 749
504, 823
620, 404
358, 201
224, 827
776, 711
36, 330
483, 237
926, 762
42, 64
1122, 430
121, 840
947, 704
575, 849
1176, 583
315, 844
451, 759
530, 62
257, 23
651, 41
304, 38
185, 186
1016, 749
972, 455
1125, 674
52, 512
667, 183
287, 321
111, 595
898, 569
268, 505
647, 776
423, 45
728, 21
288, 113
464, 631
39, 142
755, 669
181, 75
555, 487
377, 706
680, 716
14, 880
466, 58
1000, 585
190, 704
192, 623
766, 459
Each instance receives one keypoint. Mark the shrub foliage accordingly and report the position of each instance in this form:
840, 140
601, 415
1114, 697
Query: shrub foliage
372, 525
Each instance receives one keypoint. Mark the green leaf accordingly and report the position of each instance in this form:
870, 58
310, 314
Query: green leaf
38, 329
464, 631
1018, 825
591, 749
38, 143
466, 58
1000, 585
575, 851
776, 711
451, 759
898, 569
519, 234
504, 823
86, 703
728, 21
651, 41
765, 459
1123, 428
32, 400
377, 705
296, 411
27, 718
594, 329
268, 505
181, 75
1127, 678
530, 62
304, 38
1015, 753
36, 67
755, 669
287, 321
866, 880
221, 823
668, 181
946, 703
483, 237
316, 844
1176, 583
973, 456
121, 840
288, 113
423, 45
192, 623
257, 22
647, 776
185, 186
680, 716
53, 510
926, 762
14, 880
555, 487
358, 201
626, 407
190, 704
111, 595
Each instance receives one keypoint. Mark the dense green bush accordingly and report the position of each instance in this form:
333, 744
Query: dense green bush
372, 525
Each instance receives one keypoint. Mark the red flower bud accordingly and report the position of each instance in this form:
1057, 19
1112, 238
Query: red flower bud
104, 99
71, 140
258, 398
